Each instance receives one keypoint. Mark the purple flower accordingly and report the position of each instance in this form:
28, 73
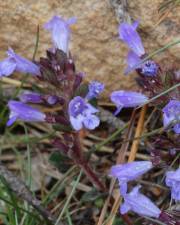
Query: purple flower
125, 99
21, 111
29, 96
139, 204
60, 31
17, 63
33, 97
129, 171
171, 113
23, 65
133, 62
81, 114
148, 68
173, 181
95, 88
130, 36
7, 67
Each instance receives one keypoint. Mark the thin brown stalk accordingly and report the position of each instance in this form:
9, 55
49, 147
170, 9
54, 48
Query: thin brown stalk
132, 156
120, 158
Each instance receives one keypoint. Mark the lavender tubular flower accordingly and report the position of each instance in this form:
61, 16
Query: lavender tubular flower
60, 31
33, 97
173, 181
95, 88
139, 204
21, 111
29, 96
171, 113
130, 36
81, 114
23, 65
125, 99
129, 171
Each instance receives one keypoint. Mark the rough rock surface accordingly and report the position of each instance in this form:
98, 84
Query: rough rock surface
95, 44
157, 34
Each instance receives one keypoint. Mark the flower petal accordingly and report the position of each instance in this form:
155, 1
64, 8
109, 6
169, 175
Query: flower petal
60, 31
77, 122
171, 113
124, 208
23, 65
91, 122
173, 181
132, 61
7, 67
11, 121
95, 88
130, 36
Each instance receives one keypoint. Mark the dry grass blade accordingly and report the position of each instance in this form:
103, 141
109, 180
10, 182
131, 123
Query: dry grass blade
120, 158
138, 133
22, 191
132, 156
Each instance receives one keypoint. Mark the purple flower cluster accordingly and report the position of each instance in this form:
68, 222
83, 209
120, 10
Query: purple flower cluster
94, 89
134, 200
150, 80
58, 69
128, 172
130, 36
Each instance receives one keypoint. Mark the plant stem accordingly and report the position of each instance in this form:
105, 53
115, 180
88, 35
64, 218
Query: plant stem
92, 176
79, 159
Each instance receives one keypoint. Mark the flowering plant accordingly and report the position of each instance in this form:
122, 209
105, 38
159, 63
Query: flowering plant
63, 86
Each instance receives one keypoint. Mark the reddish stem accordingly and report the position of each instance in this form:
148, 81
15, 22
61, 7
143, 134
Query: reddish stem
92, 176
76, 154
